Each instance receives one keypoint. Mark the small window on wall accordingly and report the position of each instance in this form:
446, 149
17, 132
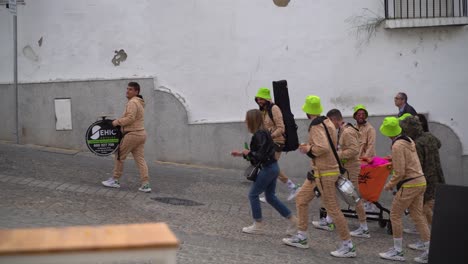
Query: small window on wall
408, 9
425, 13
63, 119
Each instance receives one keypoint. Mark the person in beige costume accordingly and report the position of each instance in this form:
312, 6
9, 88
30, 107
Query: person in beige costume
366, 133
276, 126
134, 138
409, 180
326, 172
367, 143
348, 152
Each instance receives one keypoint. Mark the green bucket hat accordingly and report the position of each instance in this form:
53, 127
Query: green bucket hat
390, 127
312, 105
404, 116
263, 93
360, 107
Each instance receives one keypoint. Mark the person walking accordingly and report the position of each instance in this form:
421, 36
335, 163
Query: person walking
134, 138
273, 122
366, 133
348, 152
408, 178
325, 172
401, 101
427, 147
367, 138
262, 153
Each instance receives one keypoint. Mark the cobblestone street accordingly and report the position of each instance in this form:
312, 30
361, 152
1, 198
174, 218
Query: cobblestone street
42, 187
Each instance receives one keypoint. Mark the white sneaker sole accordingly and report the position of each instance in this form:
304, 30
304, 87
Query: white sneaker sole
110, 185
392, 258
145, 190
359, 235
298, 245
348, 255
417, 248
253, 232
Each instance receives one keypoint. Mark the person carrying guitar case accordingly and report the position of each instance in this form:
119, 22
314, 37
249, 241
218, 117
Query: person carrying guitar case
273, 122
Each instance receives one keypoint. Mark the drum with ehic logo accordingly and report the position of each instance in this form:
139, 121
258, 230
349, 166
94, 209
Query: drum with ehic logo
102, 138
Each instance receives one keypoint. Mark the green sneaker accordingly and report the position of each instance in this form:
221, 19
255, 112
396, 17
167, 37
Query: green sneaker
344, 252
145, 188
324, 225
112, 183
296, 241
393, 254
360, 232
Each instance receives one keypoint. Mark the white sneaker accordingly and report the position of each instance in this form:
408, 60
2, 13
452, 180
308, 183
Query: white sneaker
262, 199
297, 240
145, 188
344, 252
293, 193
411, 231
370, 207
424, 258
256, 228
323, 224
393, 254
418, 246
360, 232
112, 183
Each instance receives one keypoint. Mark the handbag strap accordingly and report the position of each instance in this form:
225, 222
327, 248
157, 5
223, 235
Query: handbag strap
342, 169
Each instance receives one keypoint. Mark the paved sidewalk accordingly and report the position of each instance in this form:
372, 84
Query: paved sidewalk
49, 187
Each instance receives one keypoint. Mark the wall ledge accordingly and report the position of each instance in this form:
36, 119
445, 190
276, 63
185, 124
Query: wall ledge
425, 22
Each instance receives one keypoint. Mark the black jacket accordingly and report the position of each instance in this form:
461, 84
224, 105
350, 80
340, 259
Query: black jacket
262, 148
407, 109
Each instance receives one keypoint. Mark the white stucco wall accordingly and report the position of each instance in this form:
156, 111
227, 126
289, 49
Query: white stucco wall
218, 53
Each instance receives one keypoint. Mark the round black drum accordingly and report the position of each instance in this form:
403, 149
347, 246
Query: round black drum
102, 138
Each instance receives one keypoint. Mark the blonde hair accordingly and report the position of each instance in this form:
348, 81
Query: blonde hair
254, 119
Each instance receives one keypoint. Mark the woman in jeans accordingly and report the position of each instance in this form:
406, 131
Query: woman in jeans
262, 150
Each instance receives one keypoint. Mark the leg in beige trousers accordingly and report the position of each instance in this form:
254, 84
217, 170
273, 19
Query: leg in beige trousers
412, 199
326, 185
282, 177
134, 143
428, 210
354, 171
304, 197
